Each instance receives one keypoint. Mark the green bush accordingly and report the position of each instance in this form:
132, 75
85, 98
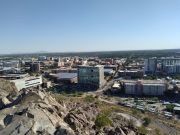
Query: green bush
146, 122
102, 120
170, 107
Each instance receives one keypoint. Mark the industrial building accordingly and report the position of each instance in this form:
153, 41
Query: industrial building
91, 75
27, 82
145, 87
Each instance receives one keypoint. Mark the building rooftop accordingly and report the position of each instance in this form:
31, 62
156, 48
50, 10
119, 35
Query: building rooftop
176, 108
87, 66
145, 81
133, 71
108, 70
66, 75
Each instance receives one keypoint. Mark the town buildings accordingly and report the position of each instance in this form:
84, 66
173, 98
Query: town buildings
171, 65
167, 65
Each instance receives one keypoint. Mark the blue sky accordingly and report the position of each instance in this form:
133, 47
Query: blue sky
88, 25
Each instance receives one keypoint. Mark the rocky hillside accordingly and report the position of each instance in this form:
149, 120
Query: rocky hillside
7, 92
34, 112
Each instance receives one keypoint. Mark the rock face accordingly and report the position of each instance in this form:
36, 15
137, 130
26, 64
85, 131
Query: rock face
81, 119
7, 92
36, 112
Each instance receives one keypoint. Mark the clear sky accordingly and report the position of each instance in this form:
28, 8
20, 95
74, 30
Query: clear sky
88, 25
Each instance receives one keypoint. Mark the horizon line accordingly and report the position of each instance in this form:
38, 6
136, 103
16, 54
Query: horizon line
47, 52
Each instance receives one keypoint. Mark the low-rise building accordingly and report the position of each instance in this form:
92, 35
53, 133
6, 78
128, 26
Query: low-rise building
27, 82
47, 84
14, 76
64, 77
64, 70
108, 72
131, 74
10, 70
145, 87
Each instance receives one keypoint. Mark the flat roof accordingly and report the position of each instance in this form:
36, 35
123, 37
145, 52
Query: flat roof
176, 108
66, 75
145, 81
108, 70
133, 71
111, 66
87, 66
28, 78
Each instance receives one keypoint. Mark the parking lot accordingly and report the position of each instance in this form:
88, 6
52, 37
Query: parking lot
151, 105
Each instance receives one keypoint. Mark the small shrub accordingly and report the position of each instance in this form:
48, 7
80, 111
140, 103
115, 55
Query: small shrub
142, 130
146, 122
134, 112
102, 120
170, 108
89, 98
157, 131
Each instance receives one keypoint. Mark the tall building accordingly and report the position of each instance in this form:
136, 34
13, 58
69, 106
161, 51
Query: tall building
168, 65
150, 65
35, 67
91, 75
171, 65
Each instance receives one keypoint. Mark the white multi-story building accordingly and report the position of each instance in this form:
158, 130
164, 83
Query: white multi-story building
27, 82
171, 65
150, 65
145, 87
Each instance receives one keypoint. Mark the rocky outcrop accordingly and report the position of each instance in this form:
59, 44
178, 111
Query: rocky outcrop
7, 92
34, 112
81, 119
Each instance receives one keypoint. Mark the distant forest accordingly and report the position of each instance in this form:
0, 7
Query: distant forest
107, 54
